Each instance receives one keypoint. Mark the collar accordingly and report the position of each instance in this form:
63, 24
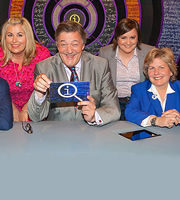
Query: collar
154, 91
77, 66
117, 56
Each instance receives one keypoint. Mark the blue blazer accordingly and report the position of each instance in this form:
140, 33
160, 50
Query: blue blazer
6, 114
141, 103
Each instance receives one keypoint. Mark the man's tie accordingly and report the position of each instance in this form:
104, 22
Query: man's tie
74, 76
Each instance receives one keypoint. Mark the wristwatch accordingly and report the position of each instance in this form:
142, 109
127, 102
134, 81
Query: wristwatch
153, 121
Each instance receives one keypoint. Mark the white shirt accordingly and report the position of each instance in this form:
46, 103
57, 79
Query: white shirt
77, 68
157, 96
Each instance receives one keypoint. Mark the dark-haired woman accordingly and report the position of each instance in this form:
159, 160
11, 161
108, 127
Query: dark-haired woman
126, 59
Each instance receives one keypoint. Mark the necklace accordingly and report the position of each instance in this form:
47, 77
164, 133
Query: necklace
18, 82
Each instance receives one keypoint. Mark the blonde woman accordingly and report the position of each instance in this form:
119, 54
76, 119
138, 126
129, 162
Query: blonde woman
19, 52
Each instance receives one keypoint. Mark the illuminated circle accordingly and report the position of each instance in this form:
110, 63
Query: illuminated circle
98, 18
77, 15
67, 84
74, 18
81, 6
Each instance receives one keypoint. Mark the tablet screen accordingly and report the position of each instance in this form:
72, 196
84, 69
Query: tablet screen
138, 135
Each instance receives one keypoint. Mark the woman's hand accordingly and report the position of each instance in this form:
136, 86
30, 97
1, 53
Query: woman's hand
15, 113
19, 116
164, 122
23, 116
168, 119
171, 113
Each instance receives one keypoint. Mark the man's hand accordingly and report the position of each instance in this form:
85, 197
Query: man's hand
41, 84
88, 109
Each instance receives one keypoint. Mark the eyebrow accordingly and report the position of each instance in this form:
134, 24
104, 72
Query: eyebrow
71, 42
18, 32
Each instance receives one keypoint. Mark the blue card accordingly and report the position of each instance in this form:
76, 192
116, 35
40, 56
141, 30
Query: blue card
69, 92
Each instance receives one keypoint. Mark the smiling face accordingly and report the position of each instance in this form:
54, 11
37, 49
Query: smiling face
16, 39
159, 73
70, 46
128, 41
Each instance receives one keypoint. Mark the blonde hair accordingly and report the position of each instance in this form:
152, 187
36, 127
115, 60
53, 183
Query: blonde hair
30, 49
166, 55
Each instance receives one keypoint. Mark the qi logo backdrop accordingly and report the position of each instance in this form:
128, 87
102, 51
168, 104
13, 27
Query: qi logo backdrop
159, 19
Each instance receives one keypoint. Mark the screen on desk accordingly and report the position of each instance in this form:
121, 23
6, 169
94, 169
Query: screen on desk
139, 134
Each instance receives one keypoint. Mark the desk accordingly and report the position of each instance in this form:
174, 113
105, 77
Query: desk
72, 160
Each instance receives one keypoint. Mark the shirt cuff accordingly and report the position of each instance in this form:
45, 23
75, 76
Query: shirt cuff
145, 121
40, 101
98, 121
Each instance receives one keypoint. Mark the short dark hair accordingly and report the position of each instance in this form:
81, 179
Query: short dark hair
125, 25
70, 26
166, 55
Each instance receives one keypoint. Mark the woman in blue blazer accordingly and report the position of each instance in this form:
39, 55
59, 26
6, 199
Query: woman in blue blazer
6, 116
156, 101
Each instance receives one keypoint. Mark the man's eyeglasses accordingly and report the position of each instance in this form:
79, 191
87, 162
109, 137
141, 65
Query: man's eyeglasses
27, 128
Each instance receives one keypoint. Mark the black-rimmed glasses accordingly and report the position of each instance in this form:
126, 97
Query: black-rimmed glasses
27, 127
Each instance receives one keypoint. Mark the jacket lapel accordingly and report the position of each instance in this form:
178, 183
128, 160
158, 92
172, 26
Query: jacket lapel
113, 64
141, 57
172, 99
85, 69
59, 74
156, 105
